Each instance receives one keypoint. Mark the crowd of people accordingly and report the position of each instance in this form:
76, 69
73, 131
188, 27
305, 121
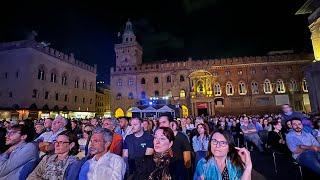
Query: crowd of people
160, 148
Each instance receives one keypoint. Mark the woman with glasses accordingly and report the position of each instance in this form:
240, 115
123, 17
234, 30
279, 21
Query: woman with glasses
55, 166
224, 161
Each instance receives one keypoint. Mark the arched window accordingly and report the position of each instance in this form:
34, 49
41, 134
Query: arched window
91, 86
217, 89
181, 78
254, 87
182, 93
130, 95
229, 89
118, 96
64, 79
267, 88
293, 85
143, 95
76, 83
41, 73
156, 80
242, 88
84, 85
119, 83
304, 85
168, 79
53, 76
143, 81
280, 86
156, 93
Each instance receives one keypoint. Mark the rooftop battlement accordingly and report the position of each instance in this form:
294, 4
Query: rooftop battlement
68, 58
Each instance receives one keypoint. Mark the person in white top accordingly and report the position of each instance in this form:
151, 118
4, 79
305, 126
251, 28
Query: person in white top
103, 165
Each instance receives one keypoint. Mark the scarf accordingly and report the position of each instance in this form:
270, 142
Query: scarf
162, 161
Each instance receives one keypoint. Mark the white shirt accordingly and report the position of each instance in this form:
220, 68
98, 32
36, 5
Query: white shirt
110, 166
49, 136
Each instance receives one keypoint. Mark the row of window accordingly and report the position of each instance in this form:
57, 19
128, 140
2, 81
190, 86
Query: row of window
53, 79
155, 80
267, 88
5, 75
35, 94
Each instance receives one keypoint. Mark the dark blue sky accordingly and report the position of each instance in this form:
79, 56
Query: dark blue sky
167, 29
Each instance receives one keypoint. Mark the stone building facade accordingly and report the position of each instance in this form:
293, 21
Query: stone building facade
210, 87
103, 100
40, 79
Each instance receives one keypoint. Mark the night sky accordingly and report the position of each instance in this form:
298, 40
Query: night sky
167, 29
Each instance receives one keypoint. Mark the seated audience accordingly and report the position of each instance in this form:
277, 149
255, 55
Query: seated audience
104, 164
55, 166
304, 147
20, 152
250, 133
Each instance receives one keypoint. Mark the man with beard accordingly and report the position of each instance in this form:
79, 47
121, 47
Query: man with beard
20, 153
304, 147
104, 164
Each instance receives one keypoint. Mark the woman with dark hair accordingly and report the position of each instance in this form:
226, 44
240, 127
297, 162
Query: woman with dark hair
56, 166
200, 142
276, 139
163, 141
224, 161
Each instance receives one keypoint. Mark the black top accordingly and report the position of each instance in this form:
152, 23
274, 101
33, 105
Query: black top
180, 144
273, 141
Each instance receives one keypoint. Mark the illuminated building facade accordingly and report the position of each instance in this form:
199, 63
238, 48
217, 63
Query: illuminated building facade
312, 71
208, 87
103, 100
38, 81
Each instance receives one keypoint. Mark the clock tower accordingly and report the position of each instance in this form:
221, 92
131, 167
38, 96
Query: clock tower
128, 52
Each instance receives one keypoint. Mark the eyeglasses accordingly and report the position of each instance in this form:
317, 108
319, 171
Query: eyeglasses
60, 142
221, 143
10, 133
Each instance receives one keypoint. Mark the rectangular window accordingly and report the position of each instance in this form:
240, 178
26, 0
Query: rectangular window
83, 100
66, 98
57, 97
75, 99
34, 93
46, 95
10, 94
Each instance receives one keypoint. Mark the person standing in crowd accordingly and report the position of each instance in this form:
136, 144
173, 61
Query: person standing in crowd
200, 142
95, 122
276, 139
104, 164
136, 146
76, 128
288, 113
46, 139
84, 141
163, 169
56, 166
48, 124
181, 149
250, 133
116, 145
125, 128
19, 154
304, 147
224, 160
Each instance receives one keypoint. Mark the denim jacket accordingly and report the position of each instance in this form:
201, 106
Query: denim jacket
200, 144
209, 170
